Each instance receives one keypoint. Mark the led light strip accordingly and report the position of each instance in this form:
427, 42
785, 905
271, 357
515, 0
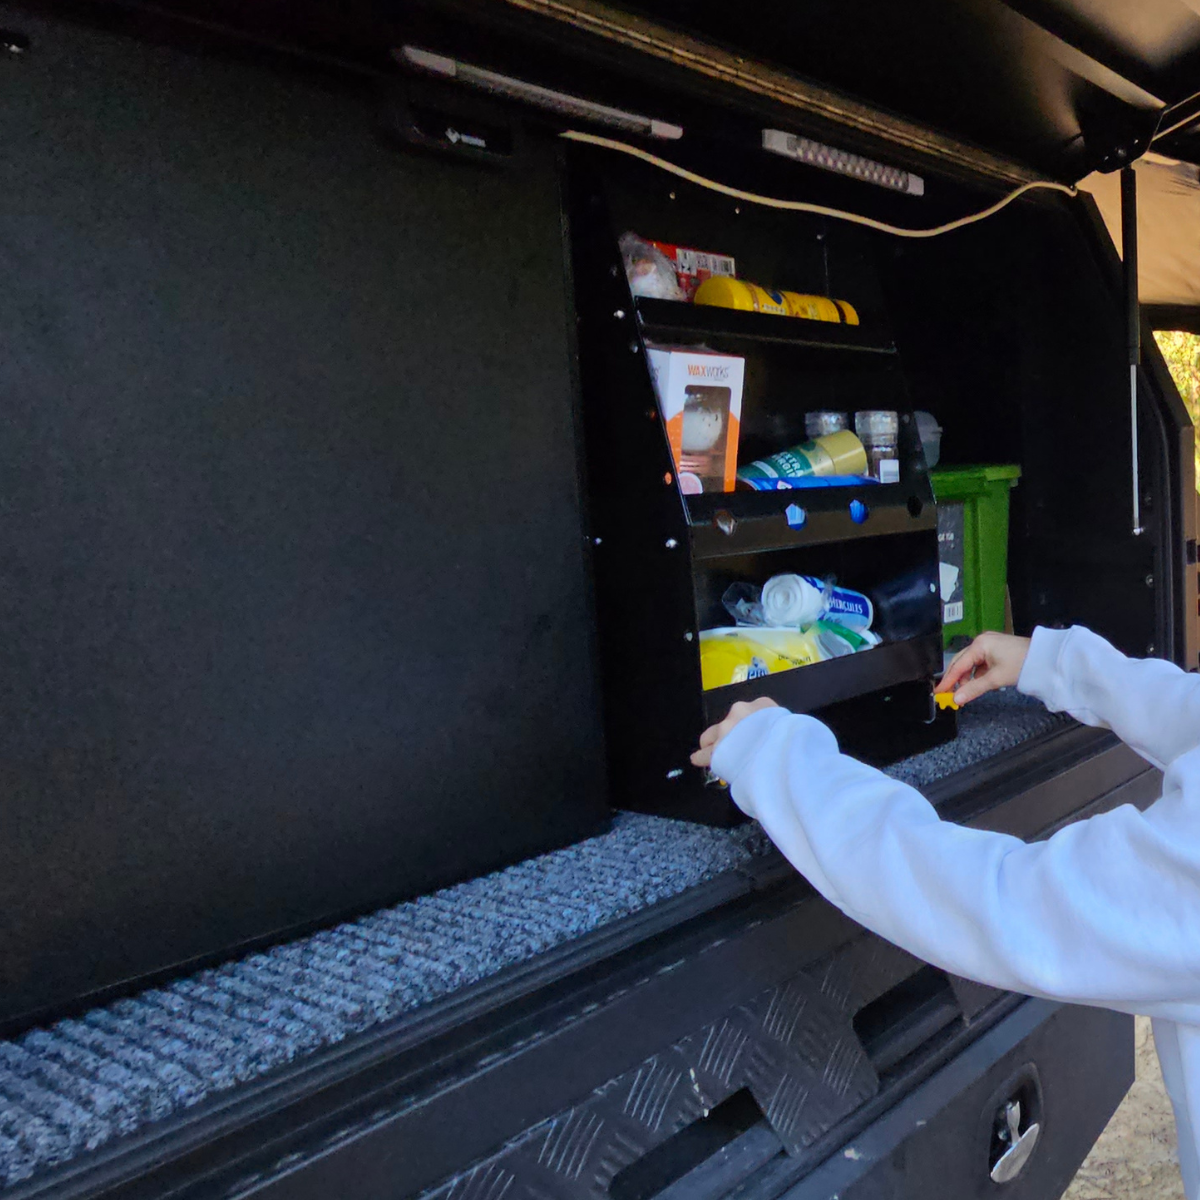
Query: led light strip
815, 154
532, 93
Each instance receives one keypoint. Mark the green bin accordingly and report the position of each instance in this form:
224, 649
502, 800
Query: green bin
973, 546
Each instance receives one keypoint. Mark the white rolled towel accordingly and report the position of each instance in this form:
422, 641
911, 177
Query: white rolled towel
791, 600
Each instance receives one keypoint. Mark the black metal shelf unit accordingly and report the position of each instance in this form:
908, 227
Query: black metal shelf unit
663, 559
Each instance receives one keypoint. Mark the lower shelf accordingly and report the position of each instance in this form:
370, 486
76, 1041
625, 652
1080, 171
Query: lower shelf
813, 687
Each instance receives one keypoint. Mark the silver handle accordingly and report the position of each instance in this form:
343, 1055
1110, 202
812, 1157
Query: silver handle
1020, 1145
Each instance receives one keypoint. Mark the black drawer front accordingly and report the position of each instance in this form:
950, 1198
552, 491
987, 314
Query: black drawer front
938, 1142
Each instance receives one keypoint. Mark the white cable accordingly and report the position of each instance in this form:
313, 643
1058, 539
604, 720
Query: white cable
803, 205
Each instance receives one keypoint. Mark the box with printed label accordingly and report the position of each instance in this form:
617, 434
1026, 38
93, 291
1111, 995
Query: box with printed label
700, 395
693, 267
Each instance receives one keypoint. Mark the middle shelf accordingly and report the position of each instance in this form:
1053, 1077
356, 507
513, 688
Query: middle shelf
727, 523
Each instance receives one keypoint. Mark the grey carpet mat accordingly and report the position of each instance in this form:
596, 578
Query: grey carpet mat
78, 1085
988, 726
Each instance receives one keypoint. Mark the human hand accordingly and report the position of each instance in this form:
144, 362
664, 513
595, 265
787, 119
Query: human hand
990, 662
712, 736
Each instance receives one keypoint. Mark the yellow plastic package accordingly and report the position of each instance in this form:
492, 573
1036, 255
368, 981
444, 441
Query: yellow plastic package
721, 291
737, 654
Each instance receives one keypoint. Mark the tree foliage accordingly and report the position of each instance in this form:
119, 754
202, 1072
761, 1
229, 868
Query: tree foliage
1182, 352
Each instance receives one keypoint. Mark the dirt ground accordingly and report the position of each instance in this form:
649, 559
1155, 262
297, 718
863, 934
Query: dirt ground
1135, 1157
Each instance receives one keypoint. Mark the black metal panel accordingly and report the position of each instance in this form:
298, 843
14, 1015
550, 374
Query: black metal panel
1030, 293
296, 615
792, 1046
936, 1143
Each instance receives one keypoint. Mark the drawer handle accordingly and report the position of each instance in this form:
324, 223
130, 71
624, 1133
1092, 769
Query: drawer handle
1020, 1145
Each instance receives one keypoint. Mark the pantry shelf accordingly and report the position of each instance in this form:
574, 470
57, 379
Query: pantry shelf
728, 523
667, 319
825, 683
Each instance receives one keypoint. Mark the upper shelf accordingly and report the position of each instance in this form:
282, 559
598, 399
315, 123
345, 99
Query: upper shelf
673, 318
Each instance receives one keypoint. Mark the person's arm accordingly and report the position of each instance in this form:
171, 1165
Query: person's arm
1151, 705
1105, 912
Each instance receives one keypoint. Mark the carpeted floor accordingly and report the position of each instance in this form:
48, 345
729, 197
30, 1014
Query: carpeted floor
991, 725
81, 1083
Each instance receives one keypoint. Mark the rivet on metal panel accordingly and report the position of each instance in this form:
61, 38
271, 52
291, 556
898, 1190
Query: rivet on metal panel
671, 543
619, 314
689, 636
668, 478
1149, 580
634, 347
675, 774
725, 521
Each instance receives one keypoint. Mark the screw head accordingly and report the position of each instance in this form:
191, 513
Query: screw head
689, 636
671, 543
1149, 580
619, 314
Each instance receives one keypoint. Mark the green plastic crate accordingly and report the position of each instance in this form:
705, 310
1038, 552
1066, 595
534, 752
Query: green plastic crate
973, 546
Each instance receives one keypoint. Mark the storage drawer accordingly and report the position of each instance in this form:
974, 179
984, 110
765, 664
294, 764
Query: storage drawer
1071, 1066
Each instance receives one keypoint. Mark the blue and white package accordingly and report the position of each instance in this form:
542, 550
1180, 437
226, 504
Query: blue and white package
845, 607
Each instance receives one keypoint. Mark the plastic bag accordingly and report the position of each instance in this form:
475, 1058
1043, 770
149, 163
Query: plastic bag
734, 655
649, 271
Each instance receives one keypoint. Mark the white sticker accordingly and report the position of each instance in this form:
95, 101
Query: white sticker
952, 613
889, 470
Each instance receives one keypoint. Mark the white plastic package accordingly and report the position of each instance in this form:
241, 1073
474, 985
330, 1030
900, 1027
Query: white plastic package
649, 271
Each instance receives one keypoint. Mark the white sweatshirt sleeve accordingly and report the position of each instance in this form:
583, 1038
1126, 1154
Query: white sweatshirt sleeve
1151, 705
1106, 912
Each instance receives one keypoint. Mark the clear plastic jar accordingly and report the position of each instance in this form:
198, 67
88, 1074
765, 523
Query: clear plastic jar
879, 432
818, 424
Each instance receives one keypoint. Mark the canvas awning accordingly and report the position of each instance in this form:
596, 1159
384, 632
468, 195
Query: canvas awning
1168, 235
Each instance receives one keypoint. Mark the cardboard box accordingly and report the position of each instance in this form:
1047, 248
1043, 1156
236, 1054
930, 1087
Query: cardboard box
700, 395
693, 267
